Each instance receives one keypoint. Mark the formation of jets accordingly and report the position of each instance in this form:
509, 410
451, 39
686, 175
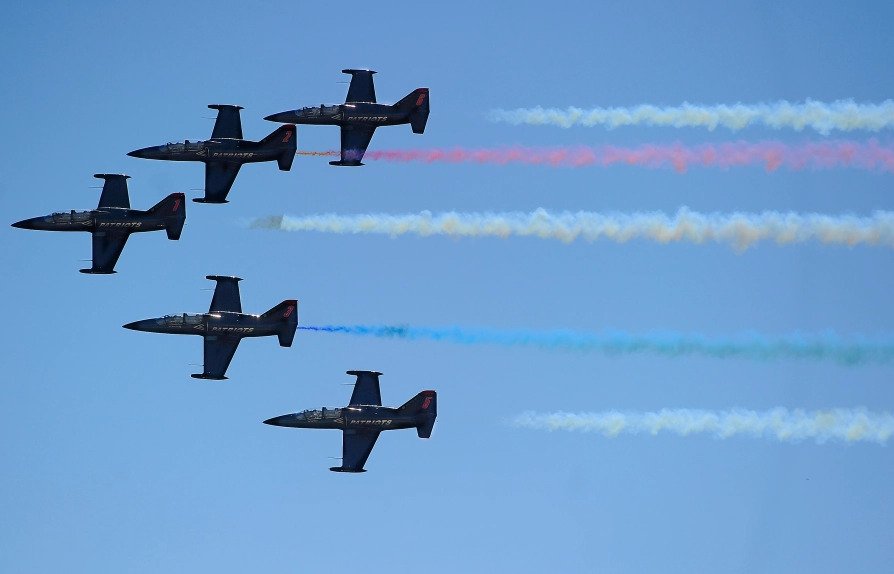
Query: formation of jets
225, 325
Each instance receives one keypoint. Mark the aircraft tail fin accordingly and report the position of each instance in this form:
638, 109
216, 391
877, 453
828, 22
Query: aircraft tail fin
425, 406
173, 209
285, 138
415, 104
287, 312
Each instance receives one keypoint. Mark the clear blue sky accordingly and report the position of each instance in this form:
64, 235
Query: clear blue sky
113, 459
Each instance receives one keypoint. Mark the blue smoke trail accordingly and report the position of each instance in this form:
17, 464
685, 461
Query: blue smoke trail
818, 347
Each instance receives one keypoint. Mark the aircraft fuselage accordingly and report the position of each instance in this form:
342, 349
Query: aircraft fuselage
357, 417
106, 219
357, 113
213, 150
209, 324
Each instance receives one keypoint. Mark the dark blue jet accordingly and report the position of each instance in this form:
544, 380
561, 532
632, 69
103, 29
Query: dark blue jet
224, 325
226, 151
360, 115
364, 418
112, 222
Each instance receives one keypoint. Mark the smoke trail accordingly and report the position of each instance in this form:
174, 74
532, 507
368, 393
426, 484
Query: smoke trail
849, 425
740, 230
841, 115
828, 346
770, 154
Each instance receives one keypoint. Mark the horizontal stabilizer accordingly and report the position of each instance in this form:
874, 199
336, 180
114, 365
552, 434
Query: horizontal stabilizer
348, 163
418, 119
96, 271
285, 160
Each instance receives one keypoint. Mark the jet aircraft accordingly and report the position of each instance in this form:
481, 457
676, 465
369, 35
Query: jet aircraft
364, 418
226, 151
112, 222
360, 115
224, 325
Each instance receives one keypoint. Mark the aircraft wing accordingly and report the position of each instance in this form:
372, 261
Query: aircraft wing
219, 351
107, 247
366, 389
226, 294
361, 88
354, 141
356, 446
114, 190
228, 123
219, 178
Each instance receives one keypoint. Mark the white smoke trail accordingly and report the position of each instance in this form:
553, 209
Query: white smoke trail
841, 115
848, 425
741, 230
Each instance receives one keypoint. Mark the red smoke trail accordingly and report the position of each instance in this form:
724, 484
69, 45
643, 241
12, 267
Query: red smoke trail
870, 155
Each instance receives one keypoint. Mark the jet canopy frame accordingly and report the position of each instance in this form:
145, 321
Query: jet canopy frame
71, 216
182, 319
311, 415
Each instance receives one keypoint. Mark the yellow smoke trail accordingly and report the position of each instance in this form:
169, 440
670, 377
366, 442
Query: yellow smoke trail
740, 230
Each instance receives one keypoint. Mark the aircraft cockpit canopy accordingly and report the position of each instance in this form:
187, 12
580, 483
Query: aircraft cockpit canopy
324, 414
318, 111
70, 217
183, 319
186, 146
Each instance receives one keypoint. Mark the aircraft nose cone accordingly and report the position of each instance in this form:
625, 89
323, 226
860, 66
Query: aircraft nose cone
279, 421
24, 224
283, 117
143, 153
138, 325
